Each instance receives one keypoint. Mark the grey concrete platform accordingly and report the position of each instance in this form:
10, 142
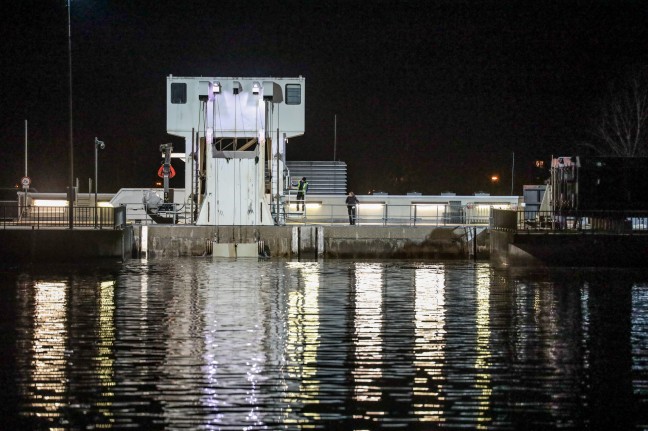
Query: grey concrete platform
303, 241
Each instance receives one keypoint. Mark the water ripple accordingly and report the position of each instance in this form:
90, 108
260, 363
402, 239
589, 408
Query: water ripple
243, 344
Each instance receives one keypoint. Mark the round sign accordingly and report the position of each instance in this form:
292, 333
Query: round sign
25, 181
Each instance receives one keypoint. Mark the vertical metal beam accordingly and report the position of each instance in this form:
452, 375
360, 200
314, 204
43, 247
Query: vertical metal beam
71, 191
192, 194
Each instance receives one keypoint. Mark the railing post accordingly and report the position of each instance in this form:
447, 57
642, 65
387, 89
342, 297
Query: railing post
385, 214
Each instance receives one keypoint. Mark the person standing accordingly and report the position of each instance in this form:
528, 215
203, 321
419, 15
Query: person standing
302, 188
351, 202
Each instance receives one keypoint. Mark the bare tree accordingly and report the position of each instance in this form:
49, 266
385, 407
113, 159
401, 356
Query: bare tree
622, 128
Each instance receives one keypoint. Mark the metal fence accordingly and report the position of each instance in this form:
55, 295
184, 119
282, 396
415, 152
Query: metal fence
369, 214
375, 214
37, 217
592, 221
383, 214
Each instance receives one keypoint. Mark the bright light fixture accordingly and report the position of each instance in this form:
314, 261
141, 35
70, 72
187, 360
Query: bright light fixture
496, 206
216, 87
256, 87
312, 205
371, 206
50, 203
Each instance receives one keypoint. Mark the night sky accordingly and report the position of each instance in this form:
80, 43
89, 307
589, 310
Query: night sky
430, 96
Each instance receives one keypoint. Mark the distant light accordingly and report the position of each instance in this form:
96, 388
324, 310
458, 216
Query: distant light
494, 178
256, 87
50, 203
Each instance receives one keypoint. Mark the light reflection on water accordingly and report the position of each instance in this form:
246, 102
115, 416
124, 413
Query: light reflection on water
225, 344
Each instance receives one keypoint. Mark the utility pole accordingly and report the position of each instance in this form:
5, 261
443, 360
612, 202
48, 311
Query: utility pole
512, 172
334, 137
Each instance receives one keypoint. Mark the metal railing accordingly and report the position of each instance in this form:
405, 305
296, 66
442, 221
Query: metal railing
383, 214
592, 221
37, 217
374, 214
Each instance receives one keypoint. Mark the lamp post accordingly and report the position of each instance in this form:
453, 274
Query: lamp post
98, 145
495, 181
71, 189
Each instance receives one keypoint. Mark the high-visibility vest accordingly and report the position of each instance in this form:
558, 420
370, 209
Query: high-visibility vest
303, 186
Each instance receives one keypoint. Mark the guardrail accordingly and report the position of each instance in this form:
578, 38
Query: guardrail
366, 214
36, 217
376, 214
592, 221
383, 214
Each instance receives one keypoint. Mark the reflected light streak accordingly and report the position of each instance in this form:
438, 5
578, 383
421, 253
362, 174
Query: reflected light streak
430, 342
105, 357
303, 339
368, 332
48, 368
483, 375
639, 337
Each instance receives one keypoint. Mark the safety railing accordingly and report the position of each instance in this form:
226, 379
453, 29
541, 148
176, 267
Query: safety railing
383, 214
37, 217
367, 214
592, 221
376, 214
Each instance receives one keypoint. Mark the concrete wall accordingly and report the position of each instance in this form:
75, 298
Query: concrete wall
64, 245
568, 249
395, 242
180, 240
306, 241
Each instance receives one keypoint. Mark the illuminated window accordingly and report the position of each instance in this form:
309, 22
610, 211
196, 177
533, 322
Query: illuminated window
178, 92
293, 94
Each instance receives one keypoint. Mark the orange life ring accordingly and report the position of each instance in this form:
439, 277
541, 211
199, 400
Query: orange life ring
161, 171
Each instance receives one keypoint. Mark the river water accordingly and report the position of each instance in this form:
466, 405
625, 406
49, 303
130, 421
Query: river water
202, 343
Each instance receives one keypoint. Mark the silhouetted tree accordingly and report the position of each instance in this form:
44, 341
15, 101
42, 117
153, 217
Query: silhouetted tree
622, 126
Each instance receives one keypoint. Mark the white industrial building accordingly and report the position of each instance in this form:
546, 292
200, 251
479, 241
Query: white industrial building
235, 132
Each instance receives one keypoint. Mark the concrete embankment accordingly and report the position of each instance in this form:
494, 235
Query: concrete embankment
448, 242
573, 249
64, 245
301, 242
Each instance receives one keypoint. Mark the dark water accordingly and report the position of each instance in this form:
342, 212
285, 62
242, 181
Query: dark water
210, 344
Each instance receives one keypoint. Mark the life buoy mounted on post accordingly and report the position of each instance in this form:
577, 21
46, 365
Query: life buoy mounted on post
160, 172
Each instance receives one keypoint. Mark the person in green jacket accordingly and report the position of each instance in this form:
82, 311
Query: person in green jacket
302, 188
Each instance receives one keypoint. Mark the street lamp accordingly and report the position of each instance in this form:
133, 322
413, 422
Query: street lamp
98, 145
495, 181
